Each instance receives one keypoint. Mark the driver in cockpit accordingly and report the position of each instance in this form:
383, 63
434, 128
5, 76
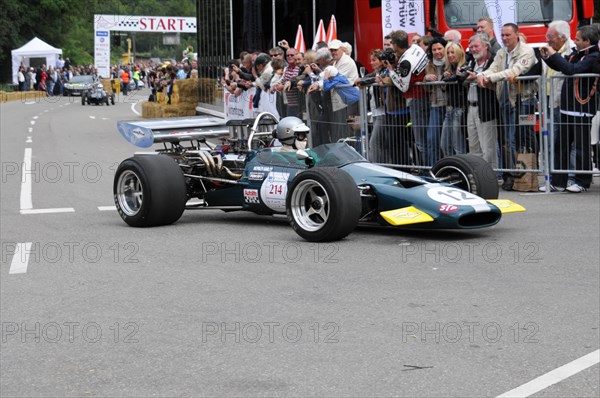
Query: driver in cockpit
292, 133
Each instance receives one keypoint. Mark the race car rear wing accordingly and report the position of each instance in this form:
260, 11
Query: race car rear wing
144, 134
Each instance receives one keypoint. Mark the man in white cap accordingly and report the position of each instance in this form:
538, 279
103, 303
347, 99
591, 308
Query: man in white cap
344, 64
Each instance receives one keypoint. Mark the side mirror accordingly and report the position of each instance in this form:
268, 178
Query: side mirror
301, 154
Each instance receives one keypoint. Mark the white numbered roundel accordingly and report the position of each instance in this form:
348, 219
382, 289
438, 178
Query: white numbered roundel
274, 190
454, 196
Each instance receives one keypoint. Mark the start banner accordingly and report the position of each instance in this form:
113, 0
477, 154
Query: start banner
104, 24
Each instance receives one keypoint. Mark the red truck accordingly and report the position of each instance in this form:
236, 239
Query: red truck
533, 17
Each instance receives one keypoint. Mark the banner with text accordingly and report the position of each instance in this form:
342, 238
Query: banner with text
240, 107
501, 12
408, 15
104, 24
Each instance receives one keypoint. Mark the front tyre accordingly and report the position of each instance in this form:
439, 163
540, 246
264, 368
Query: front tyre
323, 204
149, 190
469, 173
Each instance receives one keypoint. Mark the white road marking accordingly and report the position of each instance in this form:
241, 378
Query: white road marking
28, 140
32, 122
107, 208
20, 259
554, 376
35, 117
29, 102
49, 211
30, 129
92, 117
133, 109
26, 202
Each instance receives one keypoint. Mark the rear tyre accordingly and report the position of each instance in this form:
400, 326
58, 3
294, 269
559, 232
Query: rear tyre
323, 204
469, 173
149, 190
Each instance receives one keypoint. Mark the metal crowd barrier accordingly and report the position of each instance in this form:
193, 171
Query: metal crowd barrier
526, 130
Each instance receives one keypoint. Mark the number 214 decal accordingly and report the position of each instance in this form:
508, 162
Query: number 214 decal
275, 189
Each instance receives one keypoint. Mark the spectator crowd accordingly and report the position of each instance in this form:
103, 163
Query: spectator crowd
429, 97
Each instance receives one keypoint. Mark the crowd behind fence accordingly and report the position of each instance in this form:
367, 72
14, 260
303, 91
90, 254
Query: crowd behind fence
526, 135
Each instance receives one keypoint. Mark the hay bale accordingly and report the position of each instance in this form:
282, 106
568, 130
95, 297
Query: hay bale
106, 84
170, 111
187, 109
188, 89
22, 96
151, 110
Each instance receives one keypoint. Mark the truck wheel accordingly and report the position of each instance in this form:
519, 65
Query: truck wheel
149, 190
469, 173
323, 204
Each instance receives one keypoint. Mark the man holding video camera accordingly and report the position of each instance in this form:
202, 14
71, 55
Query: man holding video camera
578, 105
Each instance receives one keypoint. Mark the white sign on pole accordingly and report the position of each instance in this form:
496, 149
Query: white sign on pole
408, 15
104, 24
501, 12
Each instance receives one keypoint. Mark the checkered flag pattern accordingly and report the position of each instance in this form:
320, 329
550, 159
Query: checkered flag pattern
128, 24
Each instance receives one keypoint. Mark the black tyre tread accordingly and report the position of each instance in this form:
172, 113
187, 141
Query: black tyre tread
483, 178
345, 204
164, 195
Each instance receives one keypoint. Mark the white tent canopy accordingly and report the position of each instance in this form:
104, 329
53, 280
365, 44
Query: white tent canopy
36, 48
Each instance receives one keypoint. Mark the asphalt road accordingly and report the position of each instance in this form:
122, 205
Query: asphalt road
233, 304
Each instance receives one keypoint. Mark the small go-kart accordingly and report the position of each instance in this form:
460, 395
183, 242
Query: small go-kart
325, 191
97, 95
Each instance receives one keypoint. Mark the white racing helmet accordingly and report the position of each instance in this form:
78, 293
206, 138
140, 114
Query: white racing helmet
292, 131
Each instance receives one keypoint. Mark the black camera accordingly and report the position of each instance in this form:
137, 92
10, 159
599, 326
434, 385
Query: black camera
367, 80
388, 55
461, 74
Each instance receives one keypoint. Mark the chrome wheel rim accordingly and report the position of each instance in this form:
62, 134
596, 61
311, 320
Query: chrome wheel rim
129, 193
454, 176
310, 205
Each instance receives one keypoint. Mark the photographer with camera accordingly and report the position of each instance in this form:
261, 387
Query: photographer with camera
412, 61
483, 109
578, 105
453, 139
396, 130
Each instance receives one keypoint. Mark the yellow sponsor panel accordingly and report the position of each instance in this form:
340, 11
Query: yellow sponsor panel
406, 216
507, 206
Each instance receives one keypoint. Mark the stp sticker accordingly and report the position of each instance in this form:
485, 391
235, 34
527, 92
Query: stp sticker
251, 196
446, 208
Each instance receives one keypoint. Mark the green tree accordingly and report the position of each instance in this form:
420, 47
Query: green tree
69, 25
